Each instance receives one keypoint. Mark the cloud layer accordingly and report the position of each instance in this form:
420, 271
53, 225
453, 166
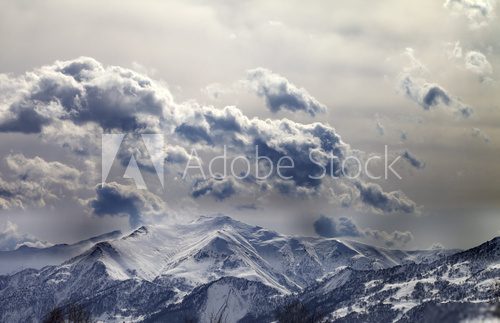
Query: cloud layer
373, 195
73, 102
413, 160
478, 133
413, 84
479, 12
344, 227
35, 182
330, 228
391, 240
11, 238
118, 200
281, 94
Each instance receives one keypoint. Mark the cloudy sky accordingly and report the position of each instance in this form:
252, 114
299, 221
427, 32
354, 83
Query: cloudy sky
339, 79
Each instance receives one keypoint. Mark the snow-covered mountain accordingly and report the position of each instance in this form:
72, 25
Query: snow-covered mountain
217, 266
467, 282
30, 257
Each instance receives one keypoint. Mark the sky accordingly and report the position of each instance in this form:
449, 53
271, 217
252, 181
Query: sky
338, 78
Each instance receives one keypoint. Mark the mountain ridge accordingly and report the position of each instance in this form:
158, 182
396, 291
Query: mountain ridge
31, 257
181, 263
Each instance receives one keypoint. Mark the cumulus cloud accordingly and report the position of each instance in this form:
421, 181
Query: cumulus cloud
436, 246
473, 61
114, 199
84, 91
478, 133
220, 189
73, 102
344, 227
426, 94
431, 95
281, 94
11, 238
412, 159
390, 240
34, 181
176, 155
478, 12
23, 119
477, 63
373, 195
46, 173
379, 125
454, 50
18, 194
330, 228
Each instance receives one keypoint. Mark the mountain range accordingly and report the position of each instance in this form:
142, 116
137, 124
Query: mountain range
217, 269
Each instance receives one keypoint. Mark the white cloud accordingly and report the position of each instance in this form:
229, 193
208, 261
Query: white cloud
477, 63
281, 94
413, 84
395, 239
34, 181
115, 199
473, 61
478, 12
478, 133
73, 102
11, 238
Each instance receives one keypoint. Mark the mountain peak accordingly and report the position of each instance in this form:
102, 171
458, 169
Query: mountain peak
217, 221
102, 237
142, 230
216, 218
174, 262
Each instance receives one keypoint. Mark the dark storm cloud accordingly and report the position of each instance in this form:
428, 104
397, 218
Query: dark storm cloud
429, 95
193, 133
24, 120
433, 96
330, 228
272, 139
344, 227
412, 159
80, 99
280, 94
84, 91
325, 227
373, 195
219, 189
118, 200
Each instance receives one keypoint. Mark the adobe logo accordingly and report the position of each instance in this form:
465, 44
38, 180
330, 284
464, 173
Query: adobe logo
154, 143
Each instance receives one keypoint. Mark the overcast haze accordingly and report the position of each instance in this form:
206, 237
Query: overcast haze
338, 77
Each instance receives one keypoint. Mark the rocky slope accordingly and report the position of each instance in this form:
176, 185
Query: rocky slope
219, 267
